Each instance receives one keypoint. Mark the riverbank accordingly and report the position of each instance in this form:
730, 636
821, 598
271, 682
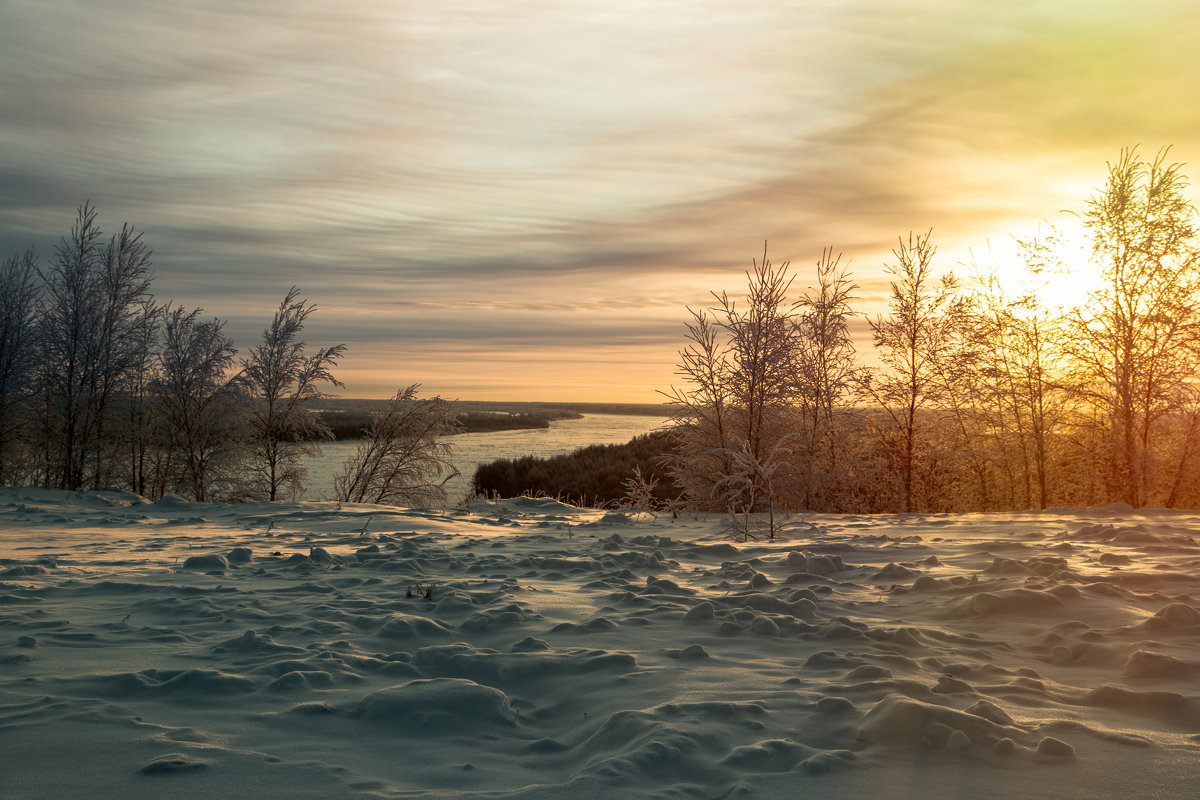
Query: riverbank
469, 450
348, 418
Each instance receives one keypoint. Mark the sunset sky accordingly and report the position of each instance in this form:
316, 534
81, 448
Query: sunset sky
517, 200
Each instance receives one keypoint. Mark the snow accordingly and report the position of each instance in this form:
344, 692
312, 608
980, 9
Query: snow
530, 649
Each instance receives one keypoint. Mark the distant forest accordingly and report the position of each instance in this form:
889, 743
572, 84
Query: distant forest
978, 396
596, 476
353, 419
349, 418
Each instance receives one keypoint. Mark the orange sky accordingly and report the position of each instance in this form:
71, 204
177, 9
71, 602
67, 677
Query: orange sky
516, 201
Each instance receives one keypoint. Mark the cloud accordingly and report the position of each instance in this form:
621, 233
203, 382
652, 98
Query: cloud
507, 169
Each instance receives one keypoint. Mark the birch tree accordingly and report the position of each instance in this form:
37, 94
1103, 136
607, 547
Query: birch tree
195, 397
826, 373
91, 328
701, 414
1134, 346
740, 370
281, 382
925, 320
18, 308
403, 456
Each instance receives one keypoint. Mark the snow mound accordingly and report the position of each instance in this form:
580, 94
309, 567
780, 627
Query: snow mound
427, 707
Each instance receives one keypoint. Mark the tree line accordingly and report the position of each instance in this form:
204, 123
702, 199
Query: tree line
349, 423
102, 386
979, 398
596, 475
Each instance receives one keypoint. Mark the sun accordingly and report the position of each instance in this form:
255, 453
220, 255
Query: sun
1051, 268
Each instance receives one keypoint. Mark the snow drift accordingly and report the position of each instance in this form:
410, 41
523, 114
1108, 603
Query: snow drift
536, 650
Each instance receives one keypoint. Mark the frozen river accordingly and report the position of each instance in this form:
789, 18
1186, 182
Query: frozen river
472, 449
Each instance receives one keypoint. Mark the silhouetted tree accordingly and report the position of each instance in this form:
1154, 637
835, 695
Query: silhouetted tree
281, 382
18, 308
130, 317
1017, 345
1134, 346
137, 425
197, 401
91, 336
403, 457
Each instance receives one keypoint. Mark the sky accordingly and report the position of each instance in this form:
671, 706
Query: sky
519, 200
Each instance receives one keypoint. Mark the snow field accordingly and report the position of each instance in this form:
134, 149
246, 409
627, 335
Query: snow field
530, 649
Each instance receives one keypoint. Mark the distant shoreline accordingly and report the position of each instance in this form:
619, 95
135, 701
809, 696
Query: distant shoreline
518, 407
348, 418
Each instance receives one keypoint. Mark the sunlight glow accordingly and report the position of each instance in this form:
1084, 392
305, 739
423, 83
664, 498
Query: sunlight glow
1050, 265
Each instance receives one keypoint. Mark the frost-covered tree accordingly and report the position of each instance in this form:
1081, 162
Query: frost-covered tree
763, 347
751, 485
988, 400
91, 336
196, 400
403, 457
701, 414
281, 381
1135, 346
740, 368
912, 342
18, 308
638, 491
1021, 408
826, 372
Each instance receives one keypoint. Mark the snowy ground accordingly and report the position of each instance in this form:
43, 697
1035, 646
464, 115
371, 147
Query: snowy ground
265, 651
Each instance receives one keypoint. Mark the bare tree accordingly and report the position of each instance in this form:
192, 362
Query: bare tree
701, 414
1134, 347
1181, 482
740, 365
826, 372
90, 335
67, 321
1017, 386
18, 308
196, 399
988, 400
763, 351
402, 460
926, 318
128, 318
138, 425
281, 382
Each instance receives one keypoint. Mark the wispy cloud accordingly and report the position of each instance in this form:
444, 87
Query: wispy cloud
507, 176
